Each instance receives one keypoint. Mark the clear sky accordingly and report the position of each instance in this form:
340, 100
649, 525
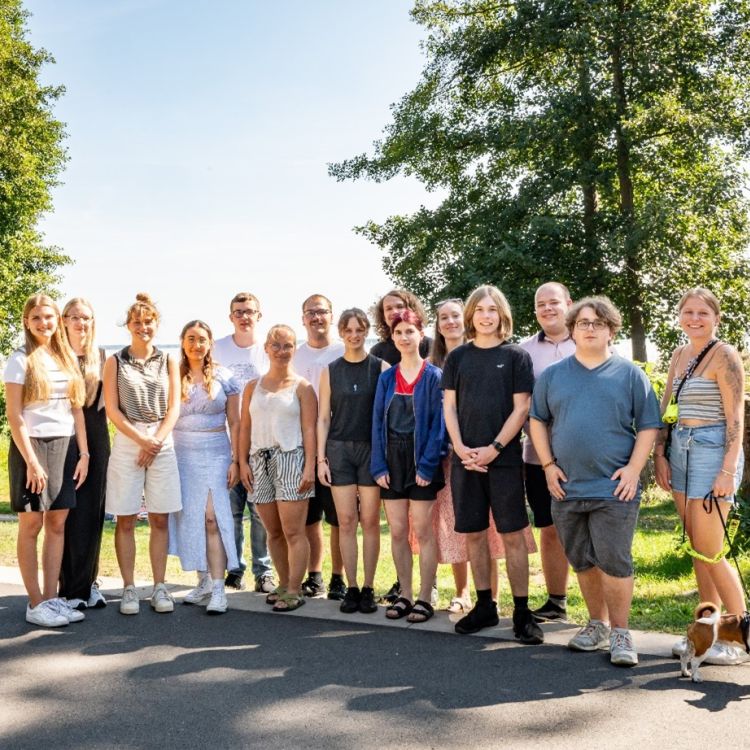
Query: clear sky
199, 134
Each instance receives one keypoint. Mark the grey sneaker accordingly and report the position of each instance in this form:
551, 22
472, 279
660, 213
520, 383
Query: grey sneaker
591, 637
96, 598
161, 599
726, 654
621, 649
45, 615
130, 603
62, 607
218, 603
201, 592
265, 584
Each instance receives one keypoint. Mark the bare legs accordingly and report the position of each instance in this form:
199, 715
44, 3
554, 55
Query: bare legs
157, 546
287, 540
607, 598
29, 526
215, 553
368, 517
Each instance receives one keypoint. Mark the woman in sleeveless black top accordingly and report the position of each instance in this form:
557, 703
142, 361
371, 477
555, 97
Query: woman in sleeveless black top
347, 392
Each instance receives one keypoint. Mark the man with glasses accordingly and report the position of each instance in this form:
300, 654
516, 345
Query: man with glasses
310, 359
243, 354
550, 345
594, 418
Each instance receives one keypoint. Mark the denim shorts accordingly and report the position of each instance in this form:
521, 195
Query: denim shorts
699, 450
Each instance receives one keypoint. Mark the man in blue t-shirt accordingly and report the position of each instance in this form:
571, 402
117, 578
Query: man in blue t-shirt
594, 418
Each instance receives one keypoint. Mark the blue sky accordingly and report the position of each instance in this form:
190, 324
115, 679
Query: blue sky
199, 134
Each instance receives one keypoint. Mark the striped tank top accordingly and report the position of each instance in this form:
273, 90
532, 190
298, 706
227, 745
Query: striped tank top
142, 386
700, 398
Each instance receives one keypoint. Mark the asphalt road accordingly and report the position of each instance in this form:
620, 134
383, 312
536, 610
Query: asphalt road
266, 680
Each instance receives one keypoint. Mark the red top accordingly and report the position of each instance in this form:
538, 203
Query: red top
402, 387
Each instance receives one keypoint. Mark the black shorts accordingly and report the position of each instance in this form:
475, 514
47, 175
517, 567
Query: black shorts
537, 495
403, 475
321, 505
349, 462
475, 494
58, 457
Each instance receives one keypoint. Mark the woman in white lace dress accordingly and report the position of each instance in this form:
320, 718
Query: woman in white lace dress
202, 533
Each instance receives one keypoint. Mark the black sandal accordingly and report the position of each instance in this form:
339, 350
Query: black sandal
420, 612
400, 608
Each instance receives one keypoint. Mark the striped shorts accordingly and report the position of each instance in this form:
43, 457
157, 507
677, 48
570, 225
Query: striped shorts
277, 475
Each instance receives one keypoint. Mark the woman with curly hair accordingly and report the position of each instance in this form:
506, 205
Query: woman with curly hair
202, 533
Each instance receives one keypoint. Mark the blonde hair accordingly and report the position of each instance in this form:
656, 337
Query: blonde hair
703, 294
505, 329
186, 377
273, 330
91, 367
36, 386
143, 307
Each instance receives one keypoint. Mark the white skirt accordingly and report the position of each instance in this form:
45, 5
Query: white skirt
128, 483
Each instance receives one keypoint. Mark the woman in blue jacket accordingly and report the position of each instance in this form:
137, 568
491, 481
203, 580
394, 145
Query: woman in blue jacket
408, 433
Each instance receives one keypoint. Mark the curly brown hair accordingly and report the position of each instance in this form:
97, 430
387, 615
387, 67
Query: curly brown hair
410, 300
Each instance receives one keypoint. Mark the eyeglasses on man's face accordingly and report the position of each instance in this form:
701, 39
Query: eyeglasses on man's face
596, 325
239, 314
318, 312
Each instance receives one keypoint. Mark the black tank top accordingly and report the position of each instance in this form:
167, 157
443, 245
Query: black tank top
353, 387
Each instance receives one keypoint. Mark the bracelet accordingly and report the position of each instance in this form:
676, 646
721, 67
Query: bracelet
549, 463
322, 460
728, 473
88, 455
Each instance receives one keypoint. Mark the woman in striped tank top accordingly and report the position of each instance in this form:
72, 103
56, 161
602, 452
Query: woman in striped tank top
142, 398
705, 454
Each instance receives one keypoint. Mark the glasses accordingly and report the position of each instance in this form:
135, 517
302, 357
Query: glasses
596, 325
239, 314
318, 313
79, 318
277, 347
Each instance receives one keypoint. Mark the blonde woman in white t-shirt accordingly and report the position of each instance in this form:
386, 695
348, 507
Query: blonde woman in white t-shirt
48, 456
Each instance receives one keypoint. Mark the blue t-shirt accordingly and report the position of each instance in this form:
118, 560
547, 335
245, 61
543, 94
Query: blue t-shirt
593, 417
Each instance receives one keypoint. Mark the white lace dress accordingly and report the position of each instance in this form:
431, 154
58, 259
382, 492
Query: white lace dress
204, 455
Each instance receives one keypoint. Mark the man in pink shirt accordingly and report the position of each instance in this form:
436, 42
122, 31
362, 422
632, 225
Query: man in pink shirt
550, 345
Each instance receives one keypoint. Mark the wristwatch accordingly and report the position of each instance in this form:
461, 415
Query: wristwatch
498, 446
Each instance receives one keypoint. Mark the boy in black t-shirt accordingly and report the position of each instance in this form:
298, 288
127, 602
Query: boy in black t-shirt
488, 384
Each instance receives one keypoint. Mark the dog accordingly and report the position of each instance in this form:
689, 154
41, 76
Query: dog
711, 626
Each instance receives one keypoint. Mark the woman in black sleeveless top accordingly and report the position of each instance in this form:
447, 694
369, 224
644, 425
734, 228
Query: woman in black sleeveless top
347, 392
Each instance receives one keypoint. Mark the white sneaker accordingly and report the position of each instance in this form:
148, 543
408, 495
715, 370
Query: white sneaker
621, 649
78, 603
201, 592
45, 615
130, 603
591, 637
726, 654
161, 599
96, 598
680, 647
218, 603
62, 606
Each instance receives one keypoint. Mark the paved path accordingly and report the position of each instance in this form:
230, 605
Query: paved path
319, 679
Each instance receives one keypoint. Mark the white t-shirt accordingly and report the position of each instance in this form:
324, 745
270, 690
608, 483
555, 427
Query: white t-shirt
245, 362
310, 363
44, 419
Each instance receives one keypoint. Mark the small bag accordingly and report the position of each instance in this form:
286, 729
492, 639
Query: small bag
672, 412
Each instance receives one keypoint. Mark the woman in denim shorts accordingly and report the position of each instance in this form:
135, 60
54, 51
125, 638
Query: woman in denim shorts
277, 461
705, 454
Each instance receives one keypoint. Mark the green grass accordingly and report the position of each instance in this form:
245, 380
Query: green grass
664, 598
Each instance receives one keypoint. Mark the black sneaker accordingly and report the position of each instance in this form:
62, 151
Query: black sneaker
367, 603
481, 616
549, 611
351, 600
525, 628
337, 588
234, 581
312, 588
393, 593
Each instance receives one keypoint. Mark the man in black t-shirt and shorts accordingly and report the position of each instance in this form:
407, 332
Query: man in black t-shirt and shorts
488, 384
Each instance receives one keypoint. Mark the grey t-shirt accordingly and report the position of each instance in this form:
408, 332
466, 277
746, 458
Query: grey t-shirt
593, 417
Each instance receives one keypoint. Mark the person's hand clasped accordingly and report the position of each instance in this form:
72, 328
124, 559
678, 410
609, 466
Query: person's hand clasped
627, 487
469, 458
145, 458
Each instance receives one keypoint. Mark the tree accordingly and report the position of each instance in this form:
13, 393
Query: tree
596, 142
31, 158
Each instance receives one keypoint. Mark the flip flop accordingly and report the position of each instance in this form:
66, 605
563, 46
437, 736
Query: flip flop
400, 608
420, 612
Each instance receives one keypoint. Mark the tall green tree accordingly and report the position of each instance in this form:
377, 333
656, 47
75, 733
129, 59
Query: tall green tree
31, 158
596, 142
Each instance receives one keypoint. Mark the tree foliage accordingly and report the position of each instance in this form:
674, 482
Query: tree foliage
31, 158
596, 142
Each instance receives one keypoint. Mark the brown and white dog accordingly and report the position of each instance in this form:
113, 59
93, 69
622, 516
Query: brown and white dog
711, 626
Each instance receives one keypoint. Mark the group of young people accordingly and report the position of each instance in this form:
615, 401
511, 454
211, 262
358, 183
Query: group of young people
432, 429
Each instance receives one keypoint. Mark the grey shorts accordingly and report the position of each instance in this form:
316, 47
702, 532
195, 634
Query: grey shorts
597, 534
349, 461
277, 475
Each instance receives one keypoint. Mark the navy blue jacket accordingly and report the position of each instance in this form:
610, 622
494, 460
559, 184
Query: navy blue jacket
429, 428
